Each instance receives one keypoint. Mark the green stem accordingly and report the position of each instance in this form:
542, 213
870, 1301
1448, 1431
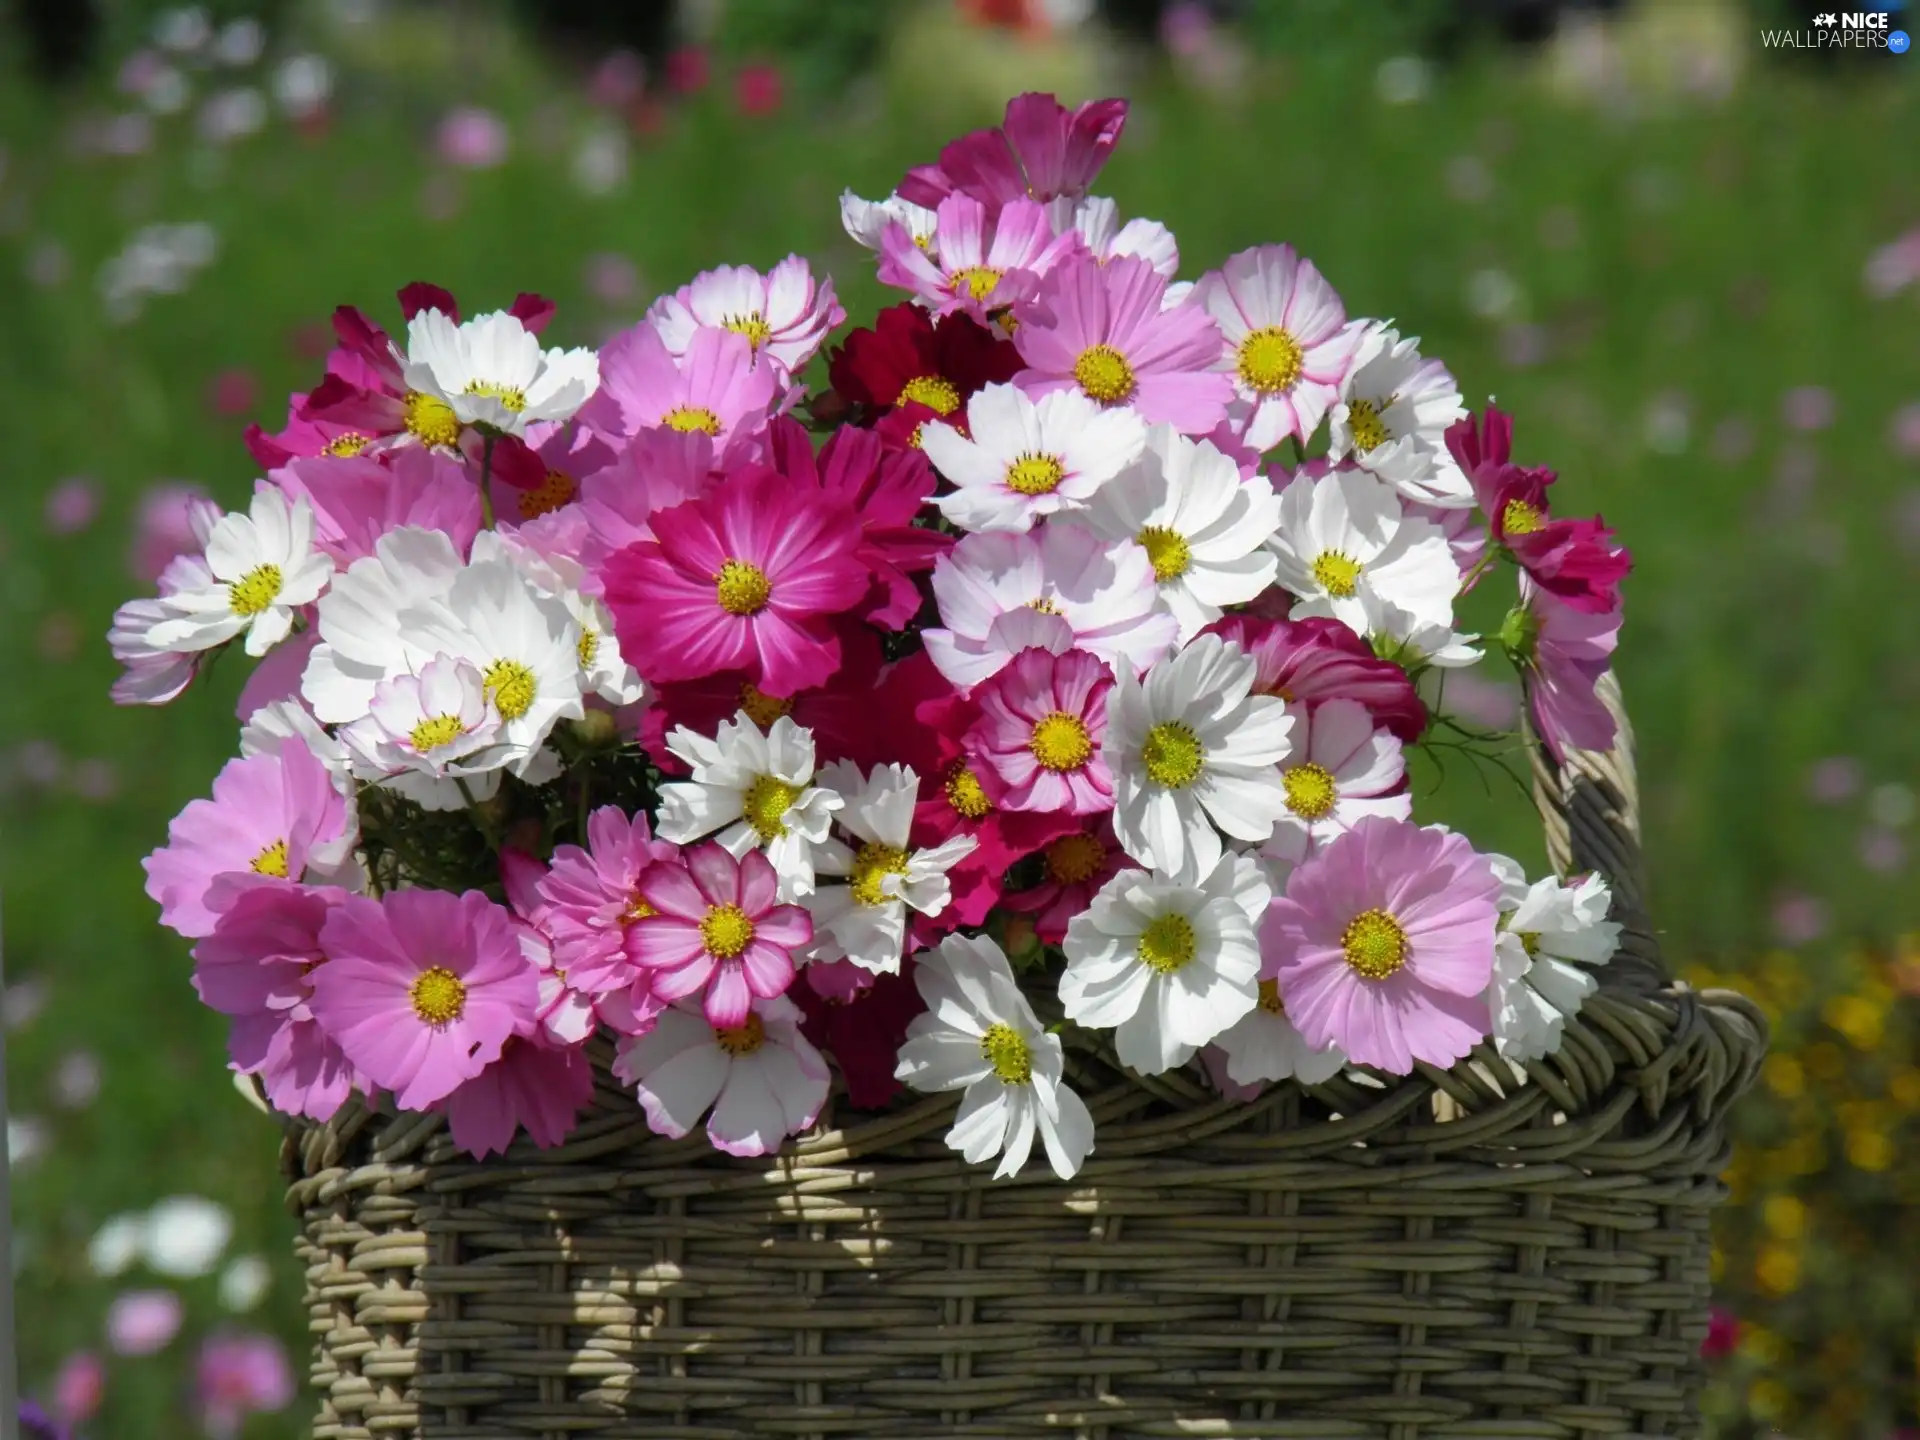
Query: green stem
1485, 563
486, 492
479, 816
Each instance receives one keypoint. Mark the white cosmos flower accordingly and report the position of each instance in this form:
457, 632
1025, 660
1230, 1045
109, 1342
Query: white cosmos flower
245, 1282
262, 567
757, 789
1060, 587
1263, 1045
1341, 768
603, 669
1411, 642
1550, 934
185, 1235
1166, 966
1021, 459
361, 639
1392, 418
866, 221
1191, 748
1203, 528
979, 1035
1342, 539
865, 920
492, 371
763, 1080
1097, 218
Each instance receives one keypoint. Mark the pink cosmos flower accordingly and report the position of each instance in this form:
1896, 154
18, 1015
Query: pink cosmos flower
72, 505
1288, 346
1077, 864
1103, 329
1383, 945
1041, 151
1562, 653
273, 814
720, 932
1315, 658
357, 500
716, 388
79, 1386
785, 315
758, 89
422, 989
256, 967
1063, 588
655, 469
741, 579
143, 1322
986, 263
593, 900
173, 520
1042, 722
152, 675
535, 1084
238, 1376
472, 139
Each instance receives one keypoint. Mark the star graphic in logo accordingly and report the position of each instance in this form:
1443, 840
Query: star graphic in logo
1827, 19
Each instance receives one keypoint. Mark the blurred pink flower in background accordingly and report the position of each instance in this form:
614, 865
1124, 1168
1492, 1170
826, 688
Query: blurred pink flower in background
611, 279
758, 88
143, 1322
1523, 346
1893, 267
1203, 51
688, 70
1904, 433
241, 1375
1833, 779
79, 1385
1723, 1334
163, 528
1491, 704
1807, 407
1881, 850
232, 392
72, 505
618, 81
95, 781
1799, 919
471, 138
39, 763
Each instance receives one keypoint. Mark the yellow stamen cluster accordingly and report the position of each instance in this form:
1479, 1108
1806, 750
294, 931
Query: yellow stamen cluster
1172, 755
726, 930
513, 687
1007, 1051
438, 995
742, 588
1374, 944
1104, 374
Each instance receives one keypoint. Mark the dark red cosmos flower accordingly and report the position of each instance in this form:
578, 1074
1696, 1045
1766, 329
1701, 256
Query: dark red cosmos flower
863, 1034
910, 358
1316, 658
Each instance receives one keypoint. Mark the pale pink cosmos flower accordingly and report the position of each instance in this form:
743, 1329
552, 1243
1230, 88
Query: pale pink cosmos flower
240, 1375
593, 901
471, 138
535, 1084
274, 814
1341, 769
785, 314
79, 1386
761, 1077
422, 989
987, 263
1383, 945
355, 499
1103, 329
717, 388
1894, 266
143, 1322
72, 505
1042, 722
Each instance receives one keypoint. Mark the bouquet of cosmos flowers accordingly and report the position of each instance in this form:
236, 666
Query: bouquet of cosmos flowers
1047, 675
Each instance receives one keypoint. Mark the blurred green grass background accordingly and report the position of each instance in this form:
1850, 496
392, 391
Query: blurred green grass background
1643, 284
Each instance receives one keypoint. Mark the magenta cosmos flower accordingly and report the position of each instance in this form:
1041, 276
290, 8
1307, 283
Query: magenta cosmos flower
717, 388
741, 579
1042, 721
1041, 151
593, 899
272, 814
1316, 658
1383, 945
422, 989
785, 314
1562, 652
1075, 867
1288, 345
535, 1084
1104, 330
257, 968
986, 263
238, 1376
720, 932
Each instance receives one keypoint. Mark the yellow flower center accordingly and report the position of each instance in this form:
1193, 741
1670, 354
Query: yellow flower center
919, 434
638, 909
1060, 742
742, 1039
1529, 942
964, 793
352, 442
549, 495
932, 391
763, 709
1074, 859
1043, 605
1338, 574
742, 588
1005, 1048
429, 419
512, 686
510, 399
1365, 424
1517, 517
437, 730
765, 806
1375, 945
1167, 550
1310, 790
1270, 360
1171, 754
688, 418
255, 590
870, 870
587, 647
1270, 997
725, 930
978, 281
438, 995
1035, 475
1105, 375
1167, 944
752, 325
271, 861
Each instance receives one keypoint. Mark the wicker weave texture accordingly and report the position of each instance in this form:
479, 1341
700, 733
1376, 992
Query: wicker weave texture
1467, 1254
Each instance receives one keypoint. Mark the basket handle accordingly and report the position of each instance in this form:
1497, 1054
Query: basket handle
1590, 808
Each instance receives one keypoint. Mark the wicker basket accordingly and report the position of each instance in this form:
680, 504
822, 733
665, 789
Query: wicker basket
1448, 1255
